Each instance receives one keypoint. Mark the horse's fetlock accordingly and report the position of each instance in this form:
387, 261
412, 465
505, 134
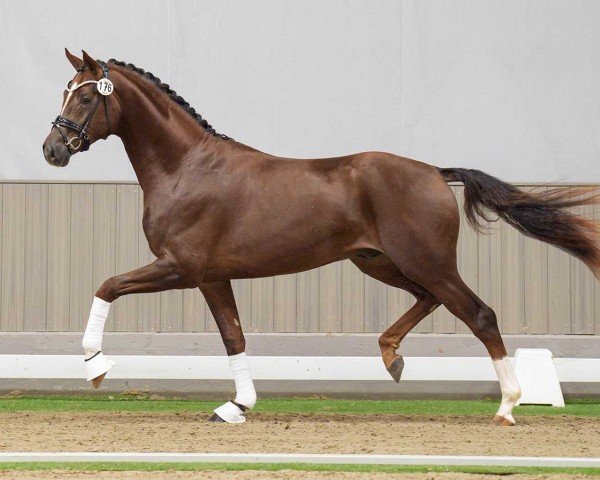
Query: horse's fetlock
387, 343
512, 393
247, 399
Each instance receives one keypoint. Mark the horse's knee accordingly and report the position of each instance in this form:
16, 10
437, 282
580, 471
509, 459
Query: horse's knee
109, 290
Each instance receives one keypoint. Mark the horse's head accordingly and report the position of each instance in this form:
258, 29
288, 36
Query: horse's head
86, 111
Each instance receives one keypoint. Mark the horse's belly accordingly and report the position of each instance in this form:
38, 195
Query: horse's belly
283, 255
260, 269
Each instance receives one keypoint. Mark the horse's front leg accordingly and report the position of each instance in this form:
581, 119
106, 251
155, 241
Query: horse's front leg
160, 275
220, 300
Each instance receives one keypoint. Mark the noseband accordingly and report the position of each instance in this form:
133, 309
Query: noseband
82, 139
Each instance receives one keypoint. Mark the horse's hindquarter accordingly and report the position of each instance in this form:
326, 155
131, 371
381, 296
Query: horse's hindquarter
415, 211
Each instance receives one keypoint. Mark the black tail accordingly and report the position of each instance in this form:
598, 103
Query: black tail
541, 215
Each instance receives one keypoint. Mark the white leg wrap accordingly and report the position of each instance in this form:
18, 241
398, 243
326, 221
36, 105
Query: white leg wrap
92, 338
244, 387
509, 386
96, 364
230, 413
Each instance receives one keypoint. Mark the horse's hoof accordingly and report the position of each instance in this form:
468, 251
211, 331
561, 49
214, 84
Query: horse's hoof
396, 368
96, 382
502, 422
216, 419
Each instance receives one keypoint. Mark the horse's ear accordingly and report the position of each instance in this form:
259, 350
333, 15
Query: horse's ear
76, 62
92, 64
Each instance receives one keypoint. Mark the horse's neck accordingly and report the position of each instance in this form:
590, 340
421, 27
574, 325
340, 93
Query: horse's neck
158, 135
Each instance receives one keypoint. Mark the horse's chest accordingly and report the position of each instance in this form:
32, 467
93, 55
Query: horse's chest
172, 226
156, 226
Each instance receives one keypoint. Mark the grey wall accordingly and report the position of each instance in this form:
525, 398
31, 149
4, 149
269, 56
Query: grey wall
59, 242
511, 86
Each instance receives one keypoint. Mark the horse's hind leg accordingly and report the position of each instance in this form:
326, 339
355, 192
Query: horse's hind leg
383, 269
445, 283
160, 275
419, 234
221, 301
481, 319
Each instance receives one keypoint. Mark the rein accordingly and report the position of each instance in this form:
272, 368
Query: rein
105, 88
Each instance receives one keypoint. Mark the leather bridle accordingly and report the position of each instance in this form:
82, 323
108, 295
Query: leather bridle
82, 139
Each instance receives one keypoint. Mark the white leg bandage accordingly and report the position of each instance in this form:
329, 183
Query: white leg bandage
96, 364
92, 338
511, 392
244, 387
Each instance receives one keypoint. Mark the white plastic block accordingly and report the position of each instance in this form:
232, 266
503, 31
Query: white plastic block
536, 373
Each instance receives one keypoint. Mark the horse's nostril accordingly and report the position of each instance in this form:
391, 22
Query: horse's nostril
52, 152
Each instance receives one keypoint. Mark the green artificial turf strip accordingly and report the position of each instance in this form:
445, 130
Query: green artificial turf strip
141, 403
147, 467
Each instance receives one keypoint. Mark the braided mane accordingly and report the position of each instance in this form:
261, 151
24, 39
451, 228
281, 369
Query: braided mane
172, 94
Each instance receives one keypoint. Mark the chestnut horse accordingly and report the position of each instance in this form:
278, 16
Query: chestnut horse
217, 210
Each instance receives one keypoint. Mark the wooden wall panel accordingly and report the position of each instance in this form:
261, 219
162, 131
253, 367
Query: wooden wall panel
353, 298
261, 309
330, 298
13, 257
58, 293
59, 242
194, 311
535, 286
81, 255
559, 292
127, 246
284, 303
36, 256
377, 318
307, 301
105, 241
513, 306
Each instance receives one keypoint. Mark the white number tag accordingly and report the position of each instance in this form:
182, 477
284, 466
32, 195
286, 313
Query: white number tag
105, 86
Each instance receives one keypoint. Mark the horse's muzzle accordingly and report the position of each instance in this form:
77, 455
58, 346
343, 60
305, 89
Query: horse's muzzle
56, 153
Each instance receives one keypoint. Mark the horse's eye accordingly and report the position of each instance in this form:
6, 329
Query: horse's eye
86, 99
